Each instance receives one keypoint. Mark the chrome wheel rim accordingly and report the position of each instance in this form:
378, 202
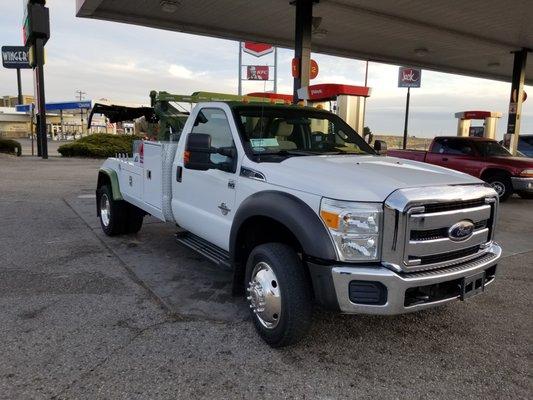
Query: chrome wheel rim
264, 295
105, 210
499, 187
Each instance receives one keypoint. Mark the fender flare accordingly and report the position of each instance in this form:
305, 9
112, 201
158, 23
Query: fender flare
113, 180
291, 212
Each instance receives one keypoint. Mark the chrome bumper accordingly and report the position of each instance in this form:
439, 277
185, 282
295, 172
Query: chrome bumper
522, 184
398, 284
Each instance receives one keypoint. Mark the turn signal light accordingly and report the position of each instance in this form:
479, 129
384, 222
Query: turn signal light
330, 219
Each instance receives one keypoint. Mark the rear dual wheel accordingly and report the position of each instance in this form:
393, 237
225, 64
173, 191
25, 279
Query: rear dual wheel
117, 217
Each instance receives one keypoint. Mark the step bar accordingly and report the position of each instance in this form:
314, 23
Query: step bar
208, 250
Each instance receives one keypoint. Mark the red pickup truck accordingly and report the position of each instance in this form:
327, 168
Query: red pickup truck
483, 158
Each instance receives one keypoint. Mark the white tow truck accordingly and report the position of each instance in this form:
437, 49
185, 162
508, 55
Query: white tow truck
306, 213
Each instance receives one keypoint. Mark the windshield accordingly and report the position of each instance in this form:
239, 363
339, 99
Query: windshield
492, 149
287, 132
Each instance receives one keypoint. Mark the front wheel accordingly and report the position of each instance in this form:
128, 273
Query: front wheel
501, 183
279, 294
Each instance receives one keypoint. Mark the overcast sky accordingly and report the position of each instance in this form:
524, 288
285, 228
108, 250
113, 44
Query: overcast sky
124, 62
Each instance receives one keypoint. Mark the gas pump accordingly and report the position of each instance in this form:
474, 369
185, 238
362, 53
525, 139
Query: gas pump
488, 130
347, 101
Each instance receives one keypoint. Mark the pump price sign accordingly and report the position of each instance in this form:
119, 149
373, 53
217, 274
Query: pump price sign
15, 57
409, 77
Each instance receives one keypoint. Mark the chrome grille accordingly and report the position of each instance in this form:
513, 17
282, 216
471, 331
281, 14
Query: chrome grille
417, 223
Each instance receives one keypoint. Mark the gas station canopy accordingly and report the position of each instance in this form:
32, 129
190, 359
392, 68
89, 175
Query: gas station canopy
474, 37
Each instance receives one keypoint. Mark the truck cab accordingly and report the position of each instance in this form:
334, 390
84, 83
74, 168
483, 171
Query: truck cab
307, 214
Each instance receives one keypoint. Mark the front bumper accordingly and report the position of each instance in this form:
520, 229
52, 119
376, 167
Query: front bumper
403, 290
522, 184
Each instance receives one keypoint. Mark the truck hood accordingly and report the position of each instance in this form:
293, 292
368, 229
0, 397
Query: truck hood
361, 178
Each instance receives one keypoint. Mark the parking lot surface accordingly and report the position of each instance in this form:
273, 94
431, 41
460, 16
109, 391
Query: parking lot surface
83, 316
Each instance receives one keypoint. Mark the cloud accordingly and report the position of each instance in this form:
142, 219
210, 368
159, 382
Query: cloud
179, 71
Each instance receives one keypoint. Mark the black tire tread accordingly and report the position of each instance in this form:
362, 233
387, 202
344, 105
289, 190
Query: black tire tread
297, 309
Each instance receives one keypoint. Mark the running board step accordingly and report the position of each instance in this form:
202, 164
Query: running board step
213, 253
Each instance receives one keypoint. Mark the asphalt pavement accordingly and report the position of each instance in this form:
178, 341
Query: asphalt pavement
83, 316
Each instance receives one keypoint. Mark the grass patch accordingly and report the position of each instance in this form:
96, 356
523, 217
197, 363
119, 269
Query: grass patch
99, 145
10, 146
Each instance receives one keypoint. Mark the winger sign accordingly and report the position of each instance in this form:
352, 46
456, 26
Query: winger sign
15, 57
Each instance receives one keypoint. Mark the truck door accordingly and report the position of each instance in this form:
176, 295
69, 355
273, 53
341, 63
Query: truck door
454, 153
203, 202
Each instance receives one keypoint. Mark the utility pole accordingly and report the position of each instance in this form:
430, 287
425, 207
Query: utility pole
81, 95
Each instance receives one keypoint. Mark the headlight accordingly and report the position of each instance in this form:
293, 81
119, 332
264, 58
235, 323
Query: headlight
527, 172
354, 228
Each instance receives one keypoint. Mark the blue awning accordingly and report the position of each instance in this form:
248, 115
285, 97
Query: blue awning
68, 105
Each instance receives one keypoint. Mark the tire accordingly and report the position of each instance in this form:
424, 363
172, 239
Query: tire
110, 212
526, 195
133, 218
502, 184
285, 315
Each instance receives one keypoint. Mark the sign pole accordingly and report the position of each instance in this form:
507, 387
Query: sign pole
240, 69
275, 70
31, 128
41, 103
406, 118
408, 77
19, 84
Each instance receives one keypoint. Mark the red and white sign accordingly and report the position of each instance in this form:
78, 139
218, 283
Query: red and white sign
257, 49
295, 68
313, 69
330, 91
257, 72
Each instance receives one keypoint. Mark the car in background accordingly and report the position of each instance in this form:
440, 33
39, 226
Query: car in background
480, 157
525, 145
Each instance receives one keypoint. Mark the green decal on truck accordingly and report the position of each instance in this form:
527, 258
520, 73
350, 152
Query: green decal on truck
113, 179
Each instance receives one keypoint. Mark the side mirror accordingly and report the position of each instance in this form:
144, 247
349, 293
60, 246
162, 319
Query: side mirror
198, 152
381, 147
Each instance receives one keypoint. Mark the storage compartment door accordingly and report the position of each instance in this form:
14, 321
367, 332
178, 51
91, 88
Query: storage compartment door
152, 175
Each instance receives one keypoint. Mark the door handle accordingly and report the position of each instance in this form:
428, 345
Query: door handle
444, 158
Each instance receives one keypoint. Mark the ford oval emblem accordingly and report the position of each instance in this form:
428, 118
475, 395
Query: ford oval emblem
460, 231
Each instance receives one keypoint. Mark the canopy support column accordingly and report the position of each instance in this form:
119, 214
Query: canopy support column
302, 43
516, 99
